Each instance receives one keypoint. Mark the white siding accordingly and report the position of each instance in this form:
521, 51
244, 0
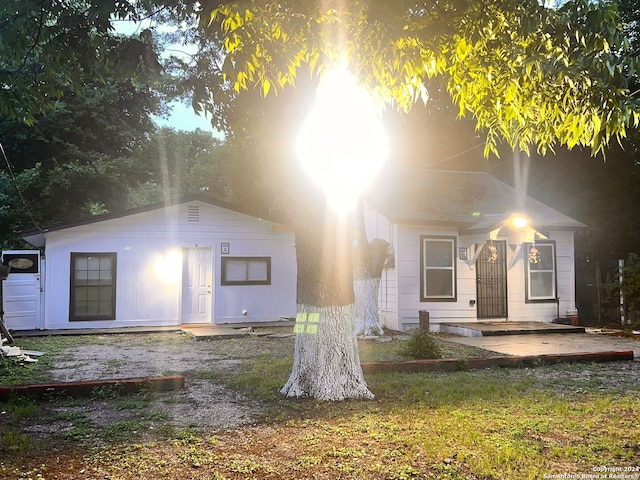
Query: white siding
519, 310
409, 283
408, 277
149, 250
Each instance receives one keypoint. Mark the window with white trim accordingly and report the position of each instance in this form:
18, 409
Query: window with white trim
246, 271
438, 269
540, 272
93, 286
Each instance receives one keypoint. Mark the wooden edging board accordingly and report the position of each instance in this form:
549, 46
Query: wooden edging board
453, 365
88, 388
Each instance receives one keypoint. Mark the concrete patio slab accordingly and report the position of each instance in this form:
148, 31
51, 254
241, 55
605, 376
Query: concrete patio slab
551, 343
222, 331
486, 329
199, 331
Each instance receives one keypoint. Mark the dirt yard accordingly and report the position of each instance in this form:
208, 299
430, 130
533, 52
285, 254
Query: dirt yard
211, 430
203, 403
206, 401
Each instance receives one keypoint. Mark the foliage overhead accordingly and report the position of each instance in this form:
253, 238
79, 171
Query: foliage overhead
49, 46
77, 159
528, 74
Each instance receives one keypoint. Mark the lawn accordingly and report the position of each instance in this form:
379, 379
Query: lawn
573, 420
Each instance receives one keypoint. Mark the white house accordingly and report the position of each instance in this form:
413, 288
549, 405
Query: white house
456, 254
193, 262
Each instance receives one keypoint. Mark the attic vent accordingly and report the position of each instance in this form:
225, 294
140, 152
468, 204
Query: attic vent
193, 214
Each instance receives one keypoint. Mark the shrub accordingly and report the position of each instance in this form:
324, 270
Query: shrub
421, 345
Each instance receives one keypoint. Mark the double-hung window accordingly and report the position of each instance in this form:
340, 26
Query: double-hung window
246, 271
93, 286
540, 272
438, 269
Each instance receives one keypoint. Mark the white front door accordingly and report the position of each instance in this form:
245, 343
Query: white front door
21, 291
197, 286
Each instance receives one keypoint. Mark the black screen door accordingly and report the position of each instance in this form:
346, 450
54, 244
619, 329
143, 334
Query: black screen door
491, 280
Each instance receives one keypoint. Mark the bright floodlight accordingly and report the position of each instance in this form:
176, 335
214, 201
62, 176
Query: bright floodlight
342, 144
519, 221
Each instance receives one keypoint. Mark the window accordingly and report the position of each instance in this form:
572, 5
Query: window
438, 269
93, 286
22, 262
540, 272
246, 271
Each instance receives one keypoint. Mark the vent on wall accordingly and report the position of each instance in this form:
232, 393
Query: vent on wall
193, 214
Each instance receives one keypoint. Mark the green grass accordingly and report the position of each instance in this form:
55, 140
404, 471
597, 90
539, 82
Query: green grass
495, 423
491, 424
465, 426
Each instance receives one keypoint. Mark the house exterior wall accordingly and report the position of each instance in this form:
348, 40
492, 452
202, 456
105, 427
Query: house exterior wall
149, 248
399, 295
519, 310
409, 282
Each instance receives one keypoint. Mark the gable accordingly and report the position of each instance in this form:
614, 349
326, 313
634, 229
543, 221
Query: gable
472, 201
187, 213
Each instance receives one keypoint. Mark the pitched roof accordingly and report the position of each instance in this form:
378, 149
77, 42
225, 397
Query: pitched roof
475, 202
36, 236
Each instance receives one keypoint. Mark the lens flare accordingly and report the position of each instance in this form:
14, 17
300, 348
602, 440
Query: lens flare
342, 145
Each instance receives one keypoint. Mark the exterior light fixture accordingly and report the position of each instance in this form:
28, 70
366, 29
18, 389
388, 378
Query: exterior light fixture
519, 221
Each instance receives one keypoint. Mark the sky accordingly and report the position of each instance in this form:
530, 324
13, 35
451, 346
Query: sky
182, 116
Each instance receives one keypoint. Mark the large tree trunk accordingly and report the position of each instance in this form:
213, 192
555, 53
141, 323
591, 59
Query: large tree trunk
326, 363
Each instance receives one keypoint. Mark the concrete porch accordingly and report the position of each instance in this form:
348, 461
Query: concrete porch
198, 331
487, 329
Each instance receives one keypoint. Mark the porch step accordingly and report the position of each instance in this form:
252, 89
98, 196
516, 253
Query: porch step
487, 329
235, 330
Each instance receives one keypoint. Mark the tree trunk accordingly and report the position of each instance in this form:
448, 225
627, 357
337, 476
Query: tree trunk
367, 286
368, 265
326, 363
367, 316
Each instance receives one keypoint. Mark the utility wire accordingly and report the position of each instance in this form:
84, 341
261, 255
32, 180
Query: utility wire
455, 155
15, 184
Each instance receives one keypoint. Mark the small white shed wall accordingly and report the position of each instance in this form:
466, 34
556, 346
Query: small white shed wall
149, 248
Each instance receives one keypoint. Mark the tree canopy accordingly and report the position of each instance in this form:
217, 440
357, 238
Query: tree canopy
76, 159
47, 47
528, 74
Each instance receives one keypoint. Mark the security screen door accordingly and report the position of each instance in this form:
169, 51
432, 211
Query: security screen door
491, 281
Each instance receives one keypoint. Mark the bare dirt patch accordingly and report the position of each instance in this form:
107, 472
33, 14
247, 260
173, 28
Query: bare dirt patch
205, 402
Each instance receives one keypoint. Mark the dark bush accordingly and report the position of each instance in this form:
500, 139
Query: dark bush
421, 345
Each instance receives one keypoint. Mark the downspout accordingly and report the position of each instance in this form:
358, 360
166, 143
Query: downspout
43, 282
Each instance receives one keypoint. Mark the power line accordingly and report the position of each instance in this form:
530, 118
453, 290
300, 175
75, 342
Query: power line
15, 184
